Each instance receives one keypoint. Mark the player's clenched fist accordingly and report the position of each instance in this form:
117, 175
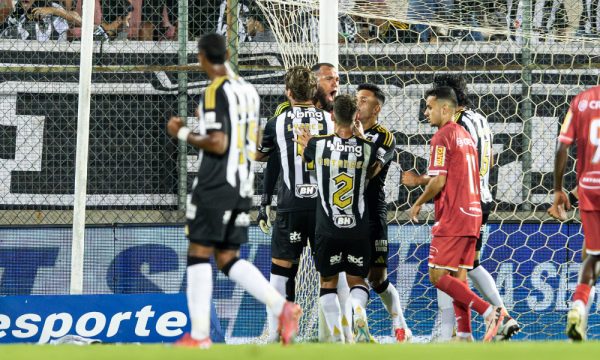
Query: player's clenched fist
410, 178
174, 125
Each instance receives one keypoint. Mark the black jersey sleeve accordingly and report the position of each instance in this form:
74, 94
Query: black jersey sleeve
310, 150
268, 143
270, 175
216, 110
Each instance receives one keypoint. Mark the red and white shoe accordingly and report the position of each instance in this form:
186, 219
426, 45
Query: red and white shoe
189, 342
493, 323
288, 322
403, 335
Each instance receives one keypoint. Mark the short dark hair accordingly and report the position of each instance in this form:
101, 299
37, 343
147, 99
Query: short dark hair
344, 109
301, 82
214, 47
443, 93
316, 67
457, 83
375, 90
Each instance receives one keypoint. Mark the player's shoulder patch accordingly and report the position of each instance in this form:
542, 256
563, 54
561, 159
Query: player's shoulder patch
210, 94
439, 154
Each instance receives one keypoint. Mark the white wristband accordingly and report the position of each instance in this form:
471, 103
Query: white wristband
183, 133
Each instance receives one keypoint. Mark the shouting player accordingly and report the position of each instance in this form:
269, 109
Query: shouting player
581, 126
217, 210
454, 186
343, 164
370, 100
297, 195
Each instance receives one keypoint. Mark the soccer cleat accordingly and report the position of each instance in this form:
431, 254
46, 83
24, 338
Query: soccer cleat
361, 331
575, 325
508, 328
288, 322
189, 342
492, 323
403, 335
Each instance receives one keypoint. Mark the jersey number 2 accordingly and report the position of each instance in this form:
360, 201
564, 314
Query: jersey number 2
344, 184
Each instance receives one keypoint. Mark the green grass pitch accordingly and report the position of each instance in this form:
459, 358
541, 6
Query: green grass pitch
458, 351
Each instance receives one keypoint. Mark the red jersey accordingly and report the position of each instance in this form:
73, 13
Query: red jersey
457, 206
582, 125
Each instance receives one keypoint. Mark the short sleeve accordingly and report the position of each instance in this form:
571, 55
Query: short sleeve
388, 148
438, 157
268, 142
310, 150
569, 127
216, 110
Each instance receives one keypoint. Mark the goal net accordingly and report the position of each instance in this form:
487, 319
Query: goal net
523, 62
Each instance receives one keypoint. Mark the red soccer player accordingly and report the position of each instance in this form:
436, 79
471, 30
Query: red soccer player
454, 187
581, 125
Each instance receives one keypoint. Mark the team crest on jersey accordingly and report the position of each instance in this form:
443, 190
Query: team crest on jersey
440, 156
582, 106
344, 221
306, 191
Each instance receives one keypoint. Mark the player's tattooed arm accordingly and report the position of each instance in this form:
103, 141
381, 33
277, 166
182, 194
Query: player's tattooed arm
412, 179
435, 185
215, 142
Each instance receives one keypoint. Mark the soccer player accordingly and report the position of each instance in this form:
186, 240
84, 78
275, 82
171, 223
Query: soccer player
328, 81
581, 126
343, 164
479, 129
297, 195
217, 218
370, 100
454, 185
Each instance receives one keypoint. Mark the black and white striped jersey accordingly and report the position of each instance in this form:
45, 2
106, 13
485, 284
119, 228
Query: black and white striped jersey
386, 144
479, 128
341, 166
230, 105
298, 184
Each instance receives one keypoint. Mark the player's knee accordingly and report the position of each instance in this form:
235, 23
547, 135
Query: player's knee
380, 287
225, 261
434, 277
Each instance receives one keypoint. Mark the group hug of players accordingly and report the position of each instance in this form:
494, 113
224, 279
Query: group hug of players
332, 156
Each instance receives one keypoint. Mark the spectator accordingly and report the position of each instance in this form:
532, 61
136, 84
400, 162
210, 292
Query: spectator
243, 11
115, 14
35, 20
158, 20
257, 26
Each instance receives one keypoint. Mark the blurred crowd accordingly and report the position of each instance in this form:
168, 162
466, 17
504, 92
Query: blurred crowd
430, 20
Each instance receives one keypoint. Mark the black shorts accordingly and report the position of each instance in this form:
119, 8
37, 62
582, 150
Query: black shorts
223, 229
479, 243
379, 242
291, 232
334, 255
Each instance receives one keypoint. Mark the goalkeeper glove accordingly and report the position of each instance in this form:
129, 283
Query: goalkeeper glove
264, 212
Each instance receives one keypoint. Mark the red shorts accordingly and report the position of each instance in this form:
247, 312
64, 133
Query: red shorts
452, 252
591, 231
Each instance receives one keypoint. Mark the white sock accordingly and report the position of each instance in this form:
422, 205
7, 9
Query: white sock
199, 293
447, 317
252, 280
484, 282
343, 293
588, 306
391, 301
332, 312
278, 282
359, 296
